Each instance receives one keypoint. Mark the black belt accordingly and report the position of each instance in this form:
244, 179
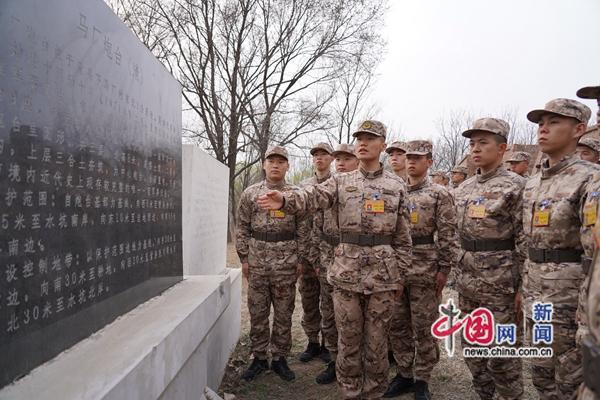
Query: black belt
488, 244
555, 255
417, 240
274, 237
365, 240
330, 239
591, 364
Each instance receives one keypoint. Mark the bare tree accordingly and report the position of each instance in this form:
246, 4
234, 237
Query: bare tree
253, 72
450, 146
521, 130
356, 75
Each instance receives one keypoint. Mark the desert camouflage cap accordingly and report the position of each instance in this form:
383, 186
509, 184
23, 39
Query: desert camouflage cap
589, 92
321, 146
438, 173
371, 126
563, 107
518, 156
492, 125
343, 148
460, 170
397, 145
591, 142
277, 151
419, 147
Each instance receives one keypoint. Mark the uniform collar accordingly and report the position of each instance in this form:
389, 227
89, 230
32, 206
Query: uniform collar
489, 175
323, 179
275, 185
548, 172
420, 185
372, 174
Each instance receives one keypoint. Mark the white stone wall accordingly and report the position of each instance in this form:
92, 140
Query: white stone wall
205, 208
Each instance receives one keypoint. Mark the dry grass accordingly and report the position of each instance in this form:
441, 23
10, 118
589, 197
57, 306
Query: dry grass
451, 380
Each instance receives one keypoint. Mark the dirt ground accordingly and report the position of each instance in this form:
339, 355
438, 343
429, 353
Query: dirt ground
451, 380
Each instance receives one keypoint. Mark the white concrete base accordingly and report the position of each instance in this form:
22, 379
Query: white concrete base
170, 347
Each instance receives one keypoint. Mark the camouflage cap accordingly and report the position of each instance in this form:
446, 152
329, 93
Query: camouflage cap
344, 148
371, 126
589, 92
419, 147
438, 173
518, 156
397, 145
495, 126
277, 151
563, 107
459, 169
321, 146
591, 142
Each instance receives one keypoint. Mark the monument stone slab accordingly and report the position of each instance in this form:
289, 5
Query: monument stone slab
90, 176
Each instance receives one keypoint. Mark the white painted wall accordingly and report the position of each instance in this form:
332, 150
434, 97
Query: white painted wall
205, 207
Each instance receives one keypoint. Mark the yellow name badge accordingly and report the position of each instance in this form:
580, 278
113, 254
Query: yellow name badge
476, 211
276, 214
374, 206
414, 217
589, 214
541, 218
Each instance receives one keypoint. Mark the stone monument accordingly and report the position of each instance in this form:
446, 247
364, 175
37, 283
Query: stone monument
90, 177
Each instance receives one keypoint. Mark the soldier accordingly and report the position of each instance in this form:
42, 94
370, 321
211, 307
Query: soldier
397, 158
369, 263
309, 281
459, 174
439, 178
588, 333
489, 210
327, 238
432, 213
267, 246
588, 149
519, 163
590, 389
553, 219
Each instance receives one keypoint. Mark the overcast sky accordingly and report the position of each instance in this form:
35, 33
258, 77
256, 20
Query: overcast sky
483, 56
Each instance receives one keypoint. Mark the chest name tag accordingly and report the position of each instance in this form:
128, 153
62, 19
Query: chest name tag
541, 218
276, 214
374, 206
414, 217
476, 211
589, 214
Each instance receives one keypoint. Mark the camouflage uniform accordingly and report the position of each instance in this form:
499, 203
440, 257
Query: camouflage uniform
432, 211
489, 209
589, 299
308, 285
325, 237
552, 220
368, 267
272, 269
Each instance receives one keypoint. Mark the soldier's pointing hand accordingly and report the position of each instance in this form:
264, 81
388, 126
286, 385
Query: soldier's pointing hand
272, 200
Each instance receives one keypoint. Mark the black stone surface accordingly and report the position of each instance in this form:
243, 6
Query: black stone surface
90, 176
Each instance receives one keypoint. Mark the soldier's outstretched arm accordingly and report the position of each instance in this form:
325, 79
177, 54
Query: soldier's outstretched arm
243, 228
305, 200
